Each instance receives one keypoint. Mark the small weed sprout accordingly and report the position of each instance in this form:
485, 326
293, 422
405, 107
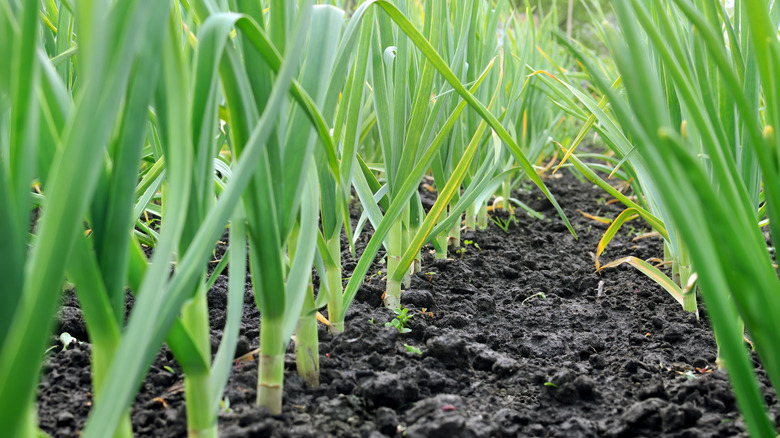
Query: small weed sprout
635, 232
224, 406
430, 275
471, 242
66, 339
540, 295
412, 349
401, 319
504, 223
370, 277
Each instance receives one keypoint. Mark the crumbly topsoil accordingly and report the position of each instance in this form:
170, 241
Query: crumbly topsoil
520, 337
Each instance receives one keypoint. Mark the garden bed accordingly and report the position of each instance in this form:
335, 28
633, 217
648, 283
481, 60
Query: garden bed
519, 337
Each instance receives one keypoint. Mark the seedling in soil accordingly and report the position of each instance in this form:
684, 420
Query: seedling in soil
551, 384
370, 278
504, 223
66, 339
412, 349
471, 242
378, 274
169, 369
224, 406
399, 322
430, 275
541, 296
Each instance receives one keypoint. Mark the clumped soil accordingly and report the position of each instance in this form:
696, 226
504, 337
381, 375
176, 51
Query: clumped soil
519, 337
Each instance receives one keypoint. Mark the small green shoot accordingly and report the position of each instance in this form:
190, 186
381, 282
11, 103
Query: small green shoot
399, 322
66, 339
551, 384
412, 349
540, 295
504, 223
370, 277
169, 369
373, 276
430, 275
224, 406
468, 242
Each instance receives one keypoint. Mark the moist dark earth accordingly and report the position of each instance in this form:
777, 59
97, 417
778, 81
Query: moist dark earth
519, 337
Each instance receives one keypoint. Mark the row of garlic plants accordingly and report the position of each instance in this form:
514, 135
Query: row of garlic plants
140, 127
687, 105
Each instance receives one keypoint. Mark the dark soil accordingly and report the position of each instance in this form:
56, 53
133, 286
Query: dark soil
522, 338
